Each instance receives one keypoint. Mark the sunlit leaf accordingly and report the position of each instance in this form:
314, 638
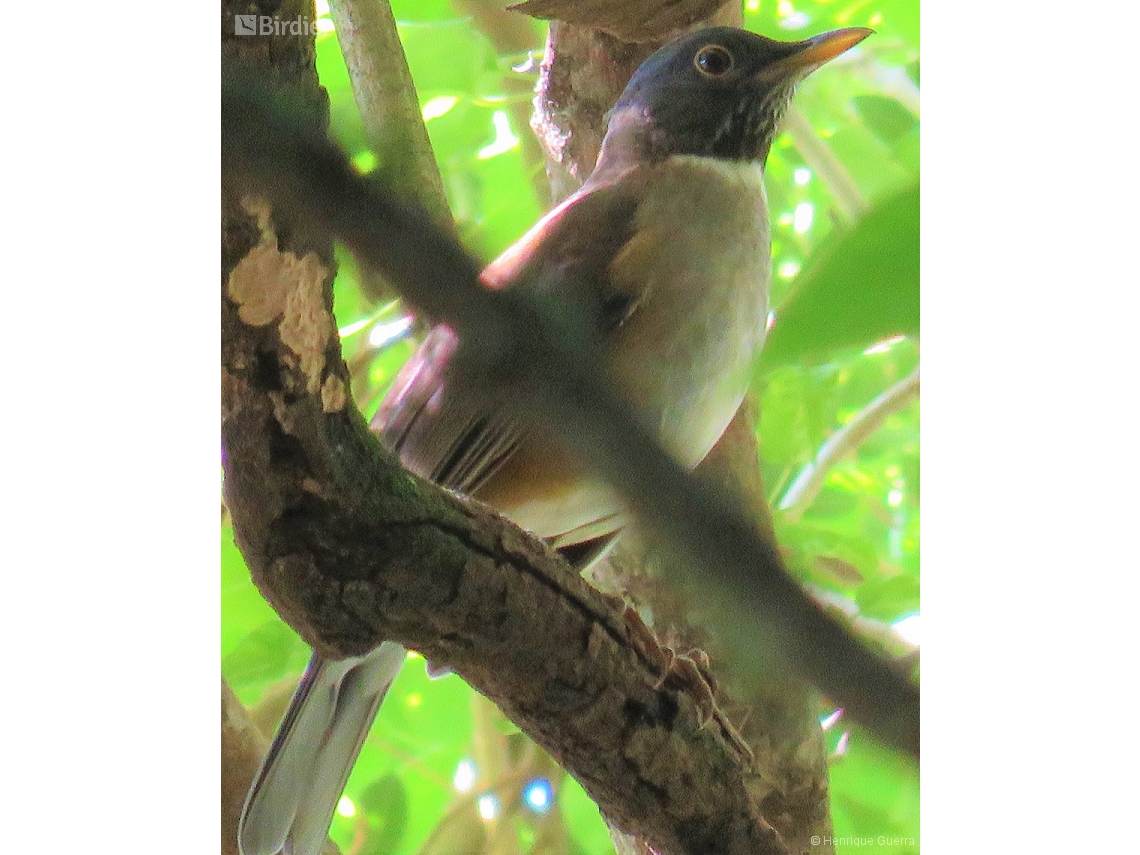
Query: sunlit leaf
385, 802
886, 117
859, 288
888, 599
268, 653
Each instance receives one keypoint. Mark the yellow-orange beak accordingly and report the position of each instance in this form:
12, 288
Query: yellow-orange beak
814, 52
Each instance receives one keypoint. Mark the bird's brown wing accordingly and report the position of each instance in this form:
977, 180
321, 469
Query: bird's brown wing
444, 427
454, 429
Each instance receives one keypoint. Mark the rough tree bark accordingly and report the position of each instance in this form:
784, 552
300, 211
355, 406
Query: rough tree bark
286, 63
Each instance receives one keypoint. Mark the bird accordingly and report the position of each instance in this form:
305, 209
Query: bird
665, 250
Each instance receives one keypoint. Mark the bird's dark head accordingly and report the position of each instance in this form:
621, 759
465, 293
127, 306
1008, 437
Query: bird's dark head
718, 92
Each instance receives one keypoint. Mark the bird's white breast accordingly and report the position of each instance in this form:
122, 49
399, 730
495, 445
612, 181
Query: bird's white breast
701, 250
697, 266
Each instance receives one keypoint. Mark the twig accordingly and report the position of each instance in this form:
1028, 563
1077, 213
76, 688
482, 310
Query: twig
817, 154
810, 481
386, 97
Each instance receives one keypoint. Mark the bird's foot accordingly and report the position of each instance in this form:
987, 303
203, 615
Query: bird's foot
688, 673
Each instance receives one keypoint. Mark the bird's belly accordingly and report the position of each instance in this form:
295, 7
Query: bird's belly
684, 359
693, 378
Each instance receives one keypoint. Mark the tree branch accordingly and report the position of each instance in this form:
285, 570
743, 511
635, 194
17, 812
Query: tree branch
350, 548
849, 199
640, 21
389, 107
854, 433
512, 334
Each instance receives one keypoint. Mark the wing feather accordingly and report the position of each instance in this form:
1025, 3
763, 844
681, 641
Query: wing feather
452, 429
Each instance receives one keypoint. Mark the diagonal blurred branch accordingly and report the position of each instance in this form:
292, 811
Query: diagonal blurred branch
555, 364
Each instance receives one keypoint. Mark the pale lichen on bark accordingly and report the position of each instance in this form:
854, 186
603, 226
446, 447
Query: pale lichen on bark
270, 284
333, 394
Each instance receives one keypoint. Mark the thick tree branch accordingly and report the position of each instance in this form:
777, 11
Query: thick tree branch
350, 548
640, 21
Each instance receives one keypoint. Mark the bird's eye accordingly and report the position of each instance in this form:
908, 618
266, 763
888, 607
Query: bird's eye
713, 61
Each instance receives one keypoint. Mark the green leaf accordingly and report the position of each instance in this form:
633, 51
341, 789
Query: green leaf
385, 801
887, 118
888, 599
860, 287
268, 653
422, 10
875, 793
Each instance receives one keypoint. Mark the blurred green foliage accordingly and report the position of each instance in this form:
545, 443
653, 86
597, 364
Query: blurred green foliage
846, 319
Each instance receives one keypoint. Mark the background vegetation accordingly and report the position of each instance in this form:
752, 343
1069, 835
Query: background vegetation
441, 760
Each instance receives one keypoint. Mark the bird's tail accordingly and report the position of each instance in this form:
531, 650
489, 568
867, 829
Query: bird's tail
290, 805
